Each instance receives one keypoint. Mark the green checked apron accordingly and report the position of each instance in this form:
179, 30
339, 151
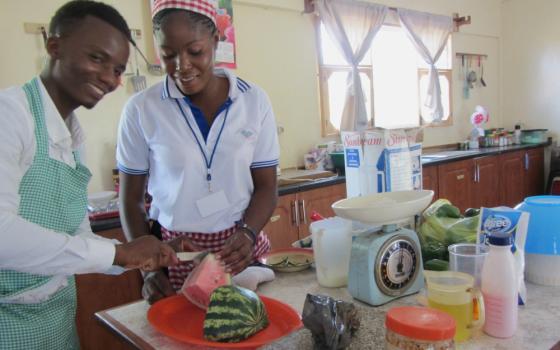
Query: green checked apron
53, 195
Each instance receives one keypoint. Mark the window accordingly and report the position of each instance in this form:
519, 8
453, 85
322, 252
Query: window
394, 79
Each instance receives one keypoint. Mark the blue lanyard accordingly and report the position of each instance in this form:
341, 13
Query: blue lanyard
208, 162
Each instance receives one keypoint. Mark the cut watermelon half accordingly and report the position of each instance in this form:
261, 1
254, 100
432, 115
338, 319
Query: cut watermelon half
202, 281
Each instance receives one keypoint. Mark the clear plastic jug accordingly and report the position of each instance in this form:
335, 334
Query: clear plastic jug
454, 293
332, 243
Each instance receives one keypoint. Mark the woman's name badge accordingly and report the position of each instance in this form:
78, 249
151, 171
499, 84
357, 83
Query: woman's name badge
212, 203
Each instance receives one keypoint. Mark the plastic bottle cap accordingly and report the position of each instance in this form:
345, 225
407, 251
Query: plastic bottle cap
422, 323
500, 239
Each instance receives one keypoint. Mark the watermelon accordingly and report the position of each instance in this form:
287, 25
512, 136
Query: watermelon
234, 314
203, 279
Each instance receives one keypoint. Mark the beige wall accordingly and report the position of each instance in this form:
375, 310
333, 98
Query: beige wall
275, 49
531, 65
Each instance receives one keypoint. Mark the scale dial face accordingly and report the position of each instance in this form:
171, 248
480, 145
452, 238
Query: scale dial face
397, 265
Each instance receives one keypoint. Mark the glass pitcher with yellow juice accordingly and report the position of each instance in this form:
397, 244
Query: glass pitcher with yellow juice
454, 293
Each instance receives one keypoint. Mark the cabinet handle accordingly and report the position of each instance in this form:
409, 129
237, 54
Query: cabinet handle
274, 218
295, 213
460, 177
478, 173
303, 214
475, 176
526, 161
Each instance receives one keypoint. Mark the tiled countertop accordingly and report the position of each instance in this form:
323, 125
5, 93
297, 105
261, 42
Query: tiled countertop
539, 320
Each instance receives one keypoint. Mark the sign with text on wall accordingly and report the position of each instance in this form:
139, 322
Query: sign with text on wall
225, 52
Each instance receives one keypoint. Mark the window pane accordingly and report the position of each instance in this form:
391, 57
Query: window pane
395, 80
337, 93
366, 88
330, 53
444, 83
444, 61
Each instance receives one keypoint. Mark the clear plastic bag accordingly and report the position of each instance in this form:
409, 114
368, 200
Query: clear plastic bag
444, 225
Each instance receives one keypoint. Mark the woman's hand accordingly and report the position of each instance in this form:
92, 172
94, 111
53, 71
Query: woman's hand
146, 253
237, 252
156, 286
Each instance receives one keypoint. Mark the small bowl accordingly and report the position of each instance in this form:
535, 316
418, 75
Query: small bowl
288, 260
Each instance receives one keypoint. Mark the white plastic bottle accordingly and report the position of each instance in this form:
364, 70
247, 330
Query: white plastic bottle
499, 287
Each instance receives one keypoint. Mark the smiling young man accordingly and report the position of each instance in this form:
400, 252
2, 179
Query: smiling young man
45, 237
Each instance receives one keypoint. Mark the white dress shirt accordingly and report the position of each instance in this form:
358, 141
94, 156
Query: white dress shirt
25, 246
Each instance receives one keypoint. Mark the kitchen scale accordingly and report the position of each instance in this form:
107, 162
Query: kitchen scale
385, 263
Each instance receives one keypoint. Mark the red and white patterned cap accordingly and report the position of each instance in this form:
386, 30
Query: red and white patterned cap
204, 7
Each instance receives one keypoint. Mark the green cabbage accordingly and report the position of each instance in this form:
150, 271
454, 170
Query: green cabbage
443, 226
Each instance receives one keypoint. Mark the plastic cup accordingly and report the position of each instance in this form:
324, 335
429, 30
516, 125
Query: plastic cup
332, 243
468, 258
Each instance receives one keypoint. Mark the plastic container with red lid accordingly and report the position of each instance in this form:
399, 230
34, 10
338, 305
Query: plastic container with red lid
415, 327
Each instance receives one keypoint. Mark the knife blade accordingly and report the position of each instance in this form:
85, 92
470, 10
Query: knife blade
191, 256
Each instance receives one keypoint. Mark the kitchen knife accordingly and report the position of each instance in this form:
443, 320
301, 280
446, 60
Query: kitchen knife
192, 256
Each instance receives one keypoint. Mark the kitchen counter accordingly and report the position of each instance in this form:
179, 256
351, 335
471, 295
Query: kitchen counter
539, 320
428, 159
107, 224
434, 158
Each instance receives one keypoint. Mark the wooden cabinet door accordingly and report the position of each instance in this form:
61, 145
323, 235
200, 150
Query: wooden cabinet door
512, 178
319, 200
98, 292
430, 179
534, 179
282, 227
486, 189
455, 183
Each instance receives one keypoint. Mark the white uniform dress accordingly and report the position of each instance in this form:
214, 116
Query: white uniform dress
162, 134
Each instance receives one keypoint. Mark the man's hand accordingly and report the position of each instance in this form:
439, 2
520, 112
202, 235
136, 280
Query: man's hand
146, 253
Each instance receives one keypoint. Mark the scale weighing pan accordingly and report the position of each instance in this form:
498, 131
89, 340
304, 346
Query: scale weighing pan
384, 264
383, 208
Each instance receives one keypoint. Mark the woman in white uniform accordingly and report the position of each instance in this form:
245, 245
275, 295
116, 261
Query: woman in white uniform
45, 236
208, 141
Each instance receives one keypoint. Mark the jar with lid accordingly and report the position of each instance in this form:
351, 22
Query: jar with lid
418, 328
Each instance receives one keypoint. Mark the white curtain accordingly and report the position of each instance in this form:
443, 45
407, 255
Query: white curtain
352, 25
429, 35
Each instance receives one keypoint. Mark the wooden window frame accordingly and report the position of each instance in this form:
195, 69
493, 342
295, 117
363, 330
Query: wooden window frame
324, 71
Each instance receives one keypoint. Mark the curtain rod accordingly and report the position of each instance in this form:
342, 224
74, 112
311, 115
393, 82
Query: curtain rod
309, 7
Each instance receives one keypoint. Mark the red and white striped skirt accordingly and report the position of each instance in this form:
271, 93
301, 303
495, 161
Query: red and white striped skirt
213, 242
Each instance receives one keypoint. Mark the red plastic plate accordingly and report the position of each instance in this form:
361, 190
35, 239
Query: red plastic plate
179, 319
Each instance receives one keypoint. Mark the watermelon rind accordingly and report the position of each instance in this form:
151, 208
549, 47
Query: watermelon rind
234, 314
